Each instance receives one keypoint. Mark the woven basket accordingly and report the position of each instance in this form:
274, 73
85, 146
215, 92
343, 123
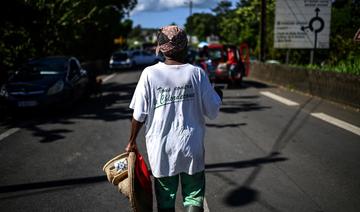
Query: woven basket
127, 183
127, 186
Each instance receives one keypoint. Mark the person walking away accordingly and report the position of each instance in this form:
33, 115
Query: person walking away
173, 98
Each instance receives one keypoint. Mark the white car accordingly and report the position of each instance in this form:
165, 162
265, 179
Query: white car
120, 60
130, 59
140, 57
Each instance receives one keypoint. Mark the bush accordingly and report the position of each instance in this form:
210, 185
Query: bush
349, 66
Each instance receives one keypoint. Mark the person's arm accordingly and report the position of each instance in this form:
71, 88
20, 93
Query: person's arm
211, 97
135, 128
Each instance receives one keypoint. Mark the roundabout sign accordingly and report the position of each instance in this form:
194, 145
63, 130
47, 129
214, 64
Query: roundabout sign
316, 28
302, 24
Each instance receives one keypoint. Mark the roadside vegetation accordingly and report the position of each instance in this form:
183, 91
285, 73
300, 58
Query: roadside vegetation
344, 66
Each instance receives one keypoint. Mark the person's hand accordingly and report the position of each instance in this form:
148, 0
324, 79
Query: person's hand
131, 147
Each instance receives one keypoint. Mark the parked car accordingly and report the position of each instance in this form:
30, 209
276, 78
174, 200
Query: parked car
121, 59
215, 60
130, 59
44, 82
141, 57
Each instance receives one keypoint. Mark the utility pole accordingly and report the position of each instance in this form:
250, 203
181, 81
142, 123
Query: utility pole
263, 31
190, 14
190, 7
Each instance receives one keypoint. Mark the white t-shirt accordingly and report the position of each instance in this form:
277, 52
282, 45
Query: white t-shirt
173, 100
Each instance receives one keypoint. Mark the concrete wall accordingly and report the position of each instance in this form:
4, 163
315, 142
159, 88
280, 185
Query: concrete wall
341, 88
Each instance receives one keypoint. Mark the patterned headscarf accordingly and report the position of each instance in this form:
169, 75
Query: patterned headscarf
171, 39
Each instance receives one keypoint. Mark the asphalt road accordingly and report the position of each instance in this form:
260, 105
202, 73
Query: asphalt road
261, 154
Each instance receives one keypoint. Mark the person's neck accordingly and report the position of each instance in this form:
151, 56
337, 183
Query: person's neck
169, 61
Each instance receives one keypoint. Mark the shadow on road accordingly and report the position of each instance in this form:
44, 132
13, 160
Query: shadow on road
247, 163
242, 97
239, 106
232, 104
225, 125
51, 184
110, 104
46, 187
248, 83
246, 103
243, 194
255, 84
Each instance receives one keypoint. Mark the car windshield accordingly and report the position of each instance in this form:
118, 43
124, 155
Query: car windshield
42, 68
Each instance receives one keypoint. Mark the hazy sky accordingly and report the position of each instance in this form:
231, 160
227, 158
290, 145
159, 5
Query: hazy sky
158, 13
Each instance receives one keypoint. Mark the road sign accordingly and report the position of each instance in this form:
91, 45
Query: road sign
302, 24
357, 36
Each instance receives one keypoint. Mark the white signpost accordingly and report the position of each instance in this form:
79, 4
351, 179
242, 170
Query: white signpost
302, 24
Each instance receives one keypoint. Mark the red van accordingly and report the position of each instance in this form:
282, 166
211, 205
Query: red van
223, 63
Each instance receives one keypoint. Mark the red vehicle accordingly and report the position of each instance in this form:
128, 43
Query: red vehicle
223, 63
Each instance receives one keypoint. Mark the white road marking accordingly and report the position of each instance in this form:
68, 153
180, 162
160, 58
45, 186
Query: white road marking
8, 132
337, 122
108, 77
279, 98
206, 207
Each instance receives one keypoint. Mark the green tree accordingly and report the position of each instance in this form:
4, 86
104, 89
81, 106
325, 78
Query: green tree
74, 27
201, 25
222, 8
344, 24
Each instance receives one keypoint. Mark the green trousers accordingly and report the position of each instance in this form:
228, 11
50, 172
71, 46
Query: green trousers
192, 186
